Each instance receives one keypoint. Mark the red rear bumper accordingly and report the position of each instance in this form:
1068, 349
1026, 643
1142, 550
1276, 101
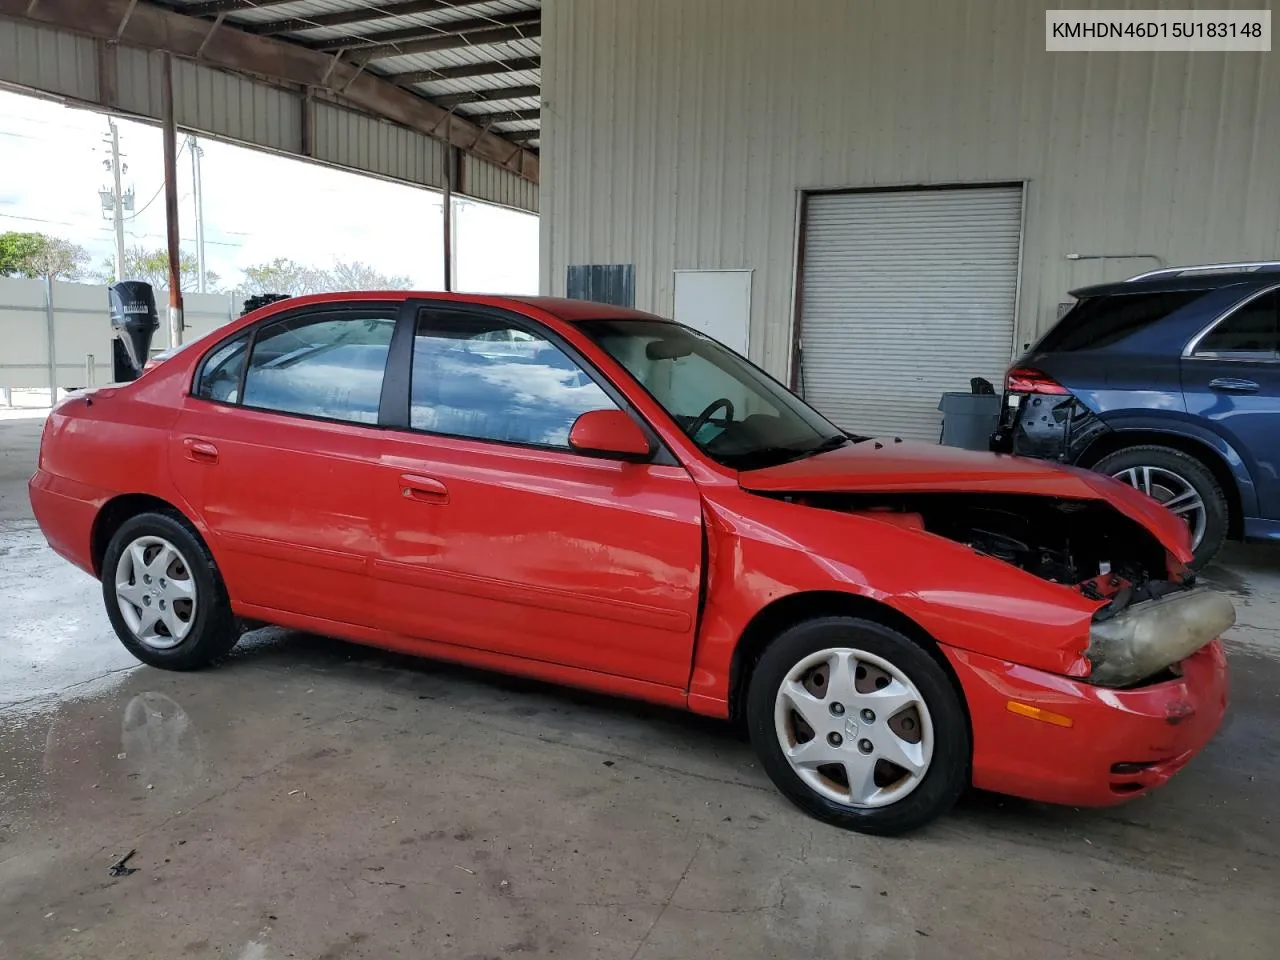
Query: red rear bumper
66, 511
1120, 744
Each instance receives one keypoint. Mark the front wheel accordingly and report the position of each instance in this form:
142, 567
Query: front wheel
858, 725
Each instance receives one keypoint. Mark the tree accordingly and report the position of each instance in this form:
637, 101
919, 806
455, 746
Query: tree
36, 255
361, 276
294, 279
152, 266
285, 276
16, 251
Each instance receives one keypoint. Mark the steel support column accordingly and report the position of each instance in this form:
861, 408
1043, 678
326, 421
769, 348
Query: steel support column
447, 210
171, 202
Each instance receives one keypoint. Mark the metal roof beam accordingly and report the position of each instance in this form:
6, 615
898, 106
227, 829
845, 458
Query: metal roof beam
454, 30
364, 14
153, 28
486, 96
474, 39
487, 68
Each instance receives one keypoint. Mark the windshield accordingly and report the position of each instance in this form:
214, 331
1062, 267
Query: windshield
733, 411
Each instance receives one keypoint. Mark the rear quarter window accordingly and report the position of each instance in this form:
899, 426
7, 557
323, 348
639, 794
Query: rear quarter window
1097, 322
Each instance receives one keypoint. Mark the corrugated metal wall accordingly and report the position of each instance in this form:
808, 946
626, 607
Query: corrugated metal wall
248, 111
482, 179
362, 142
678, 134
211, 101
51, 60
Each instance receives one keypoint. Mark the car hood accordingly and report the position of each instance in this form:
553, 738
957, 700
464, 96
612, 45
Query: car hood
902, 466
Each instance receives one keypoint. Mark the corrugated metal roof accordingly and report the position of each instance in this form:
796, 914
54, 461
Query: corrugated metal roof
498, 106
514, 78
487, 33
266, 12
489, 53
437, 18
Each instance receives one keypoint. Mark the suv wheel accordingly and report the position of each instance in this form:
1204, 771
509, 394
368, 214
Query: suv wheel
858, 725
1180, 483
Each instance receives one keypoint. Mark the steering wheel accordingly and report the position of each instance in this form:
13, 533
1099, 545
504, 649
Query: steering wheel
702, 419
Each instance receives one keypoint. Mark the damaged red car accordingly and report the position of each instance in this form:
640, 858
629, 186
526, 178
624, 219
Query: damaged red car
600, 497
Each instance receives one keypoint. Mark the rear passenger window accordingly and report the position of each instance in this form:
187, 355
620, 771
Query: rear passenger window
1253, 329
325, 366
220, 376
486, 379
1097, 322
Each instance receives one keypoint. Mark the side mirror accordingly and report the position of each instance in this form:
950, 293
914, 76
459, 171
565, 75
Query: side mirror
609, 433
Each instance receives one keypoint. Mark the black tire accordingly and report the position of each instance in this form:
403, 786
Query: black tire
948, 772
1192, 472
213, 629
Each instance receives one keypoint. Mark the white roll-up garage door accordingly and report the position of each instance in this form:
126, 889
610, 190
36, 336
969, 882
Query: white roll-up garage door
906, 295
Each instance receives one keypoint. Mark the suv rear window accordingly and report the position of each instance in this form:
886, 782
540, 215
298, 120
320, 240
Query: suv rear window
1097, 322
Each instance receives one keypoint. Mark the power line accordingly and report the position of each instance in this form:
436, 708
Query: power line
61, 223
136, 236
159, 189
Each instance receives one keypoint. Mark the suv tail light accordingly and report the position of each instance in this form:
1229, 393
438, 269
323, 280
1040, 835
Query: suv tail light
1027, 380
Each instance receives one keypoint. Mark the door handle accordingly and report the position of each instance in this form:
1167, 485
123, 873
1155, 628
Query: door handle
1233, 385
200, 451
423, 489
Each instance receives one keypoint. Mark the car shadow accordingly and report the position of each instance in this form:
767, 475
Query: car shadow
462, 685
698, 745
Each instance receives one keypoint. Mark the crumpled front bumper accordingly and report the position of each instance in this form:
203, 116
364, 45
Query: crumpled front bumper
1119, 744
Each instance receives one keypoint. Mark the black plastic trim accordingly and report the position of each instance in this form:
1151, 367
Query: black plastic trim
393, 403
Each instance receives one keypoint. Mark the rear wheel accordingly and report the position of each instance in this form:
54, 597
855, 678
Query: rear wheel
1180, 483
858, 725
164, 595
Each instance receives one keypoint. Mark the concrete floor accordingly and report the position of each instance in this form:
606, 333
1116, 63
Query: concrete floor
319, 800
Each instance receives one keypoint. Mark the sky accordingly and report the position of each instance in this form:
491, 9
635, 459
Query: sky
257, 205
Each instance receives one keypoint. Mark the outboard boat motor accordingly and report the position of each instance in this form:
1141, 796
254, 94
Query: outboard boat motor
134, 322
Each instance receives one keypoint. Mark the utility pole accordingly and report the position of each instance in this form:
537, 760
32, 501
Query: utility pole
458, 203
114, 200
118, 205
197, 191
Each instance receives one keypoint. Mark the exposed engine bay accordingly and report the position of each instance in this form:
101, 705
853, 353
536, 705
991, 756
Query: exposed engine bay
1149, 618
1072, 542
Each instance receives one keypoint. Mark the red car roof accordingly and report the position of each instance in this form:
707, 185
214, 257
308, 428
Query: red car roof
572, 311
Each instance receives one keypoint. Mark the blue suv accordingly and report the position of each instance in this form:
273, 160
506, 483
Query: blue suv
1169, 381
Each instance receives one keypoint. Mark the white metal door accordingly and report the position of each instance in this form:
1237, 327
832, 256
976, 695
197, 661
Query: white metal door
906, 295
717, 302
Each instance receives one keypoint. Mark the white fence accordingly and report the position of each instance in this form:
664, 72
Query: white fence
56, 334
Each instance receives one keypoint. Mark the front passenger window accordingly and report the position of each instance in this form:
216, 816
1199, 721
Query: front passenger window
482, 378
330, 367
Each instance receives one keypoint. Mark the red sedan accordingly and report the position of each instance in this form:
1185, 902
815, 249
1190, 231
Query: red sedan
604, 498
